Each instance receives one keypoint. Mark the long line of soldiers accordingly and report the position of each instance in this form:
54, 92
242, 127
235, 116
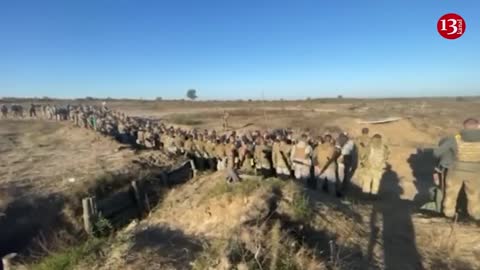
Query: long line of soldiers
328, 160
325, 160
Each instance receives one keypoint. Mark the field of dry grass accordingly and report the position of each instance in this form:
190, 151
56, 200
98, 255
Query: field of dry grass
191, 227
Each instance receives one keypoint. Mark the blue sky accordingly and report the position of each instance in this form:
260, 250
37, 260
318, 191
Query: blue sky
236, 49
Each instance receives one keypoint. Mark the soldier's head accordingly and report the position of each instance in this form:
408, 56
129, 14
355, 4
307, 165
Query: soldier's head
303, 137
376, 139
471, 123
365, 131
327, 138
342, 139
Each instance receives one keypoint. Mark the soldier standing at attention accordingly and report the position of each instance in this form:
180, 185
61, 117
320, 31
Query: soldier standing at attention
262, 162
347, 161
465, 170
231, 152
4, 111
245, 156
375, 163
325, 168
362, 143
210, 152
33, 112
188, 146
220, 154
301, 158
280, 157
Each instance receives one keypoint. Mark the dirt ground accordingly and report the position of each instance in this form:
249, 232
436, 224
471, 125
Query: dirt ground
44, 164
40, 158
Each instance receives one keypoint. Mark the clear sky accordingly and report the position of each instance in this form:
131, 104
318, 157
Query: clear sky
236, 49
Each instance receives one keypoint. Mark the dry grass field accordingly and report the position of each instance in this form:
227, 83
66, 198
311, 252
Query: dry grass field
196, 223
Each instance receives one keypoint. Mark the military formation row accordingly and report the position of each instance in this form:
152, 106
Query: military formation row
330, 160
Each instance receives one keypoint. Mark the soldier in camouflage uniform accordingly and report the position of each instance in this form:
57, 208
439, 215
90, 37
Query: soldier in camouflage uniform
362, 142
465, 169
325, 170
263, 164
220, 154
245, 156
301, 158
280, 157
376, 159
200, 152
211, 160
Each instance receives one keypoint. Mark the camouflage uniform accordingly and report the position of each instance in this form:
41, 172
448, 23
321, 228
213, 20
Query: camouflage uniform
221, 156
210, 155
232, 156
362, 142
200, 152
321, 155
301, 158
245, 158
375, 164
262, 161
280, 159
465, 171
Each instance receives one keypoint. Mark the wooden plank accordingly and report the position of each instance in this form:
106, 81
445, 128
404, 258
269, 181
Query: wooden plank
87, 216
192, 166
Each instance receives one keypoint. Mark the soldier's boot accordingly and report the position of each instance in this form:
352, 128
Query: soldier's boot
452, 189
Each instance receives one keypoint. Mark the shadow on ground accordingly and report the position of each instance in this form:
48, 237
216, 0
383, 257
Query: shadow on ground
165, 247
422, 164
26, 218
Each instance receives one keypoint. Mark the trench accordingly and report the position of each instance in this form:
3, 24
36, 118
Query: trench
31, 223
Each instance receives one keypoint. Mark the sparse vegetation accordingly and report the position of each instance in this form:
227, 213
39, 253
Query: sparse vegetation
301, 206
244, 188
102, 226
67, 258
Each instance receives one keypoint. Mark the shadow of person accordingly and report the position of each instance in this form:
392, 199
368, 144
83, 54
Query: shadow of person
422, 163
170, 248
398, 233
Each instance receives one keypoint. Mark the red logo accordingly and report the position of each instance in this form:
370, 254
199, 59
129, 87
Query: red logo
451, 26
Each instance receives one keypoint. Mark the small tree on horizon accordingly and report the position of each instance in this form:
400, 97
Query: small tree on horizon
192, 94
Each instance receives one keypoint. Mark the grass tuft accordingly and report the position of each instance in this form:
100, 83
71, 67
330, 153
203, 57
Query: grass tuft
70, 257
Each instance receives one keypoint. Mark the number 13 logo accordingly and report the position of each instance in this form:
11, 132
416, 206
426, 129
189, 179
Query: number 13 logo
451, 26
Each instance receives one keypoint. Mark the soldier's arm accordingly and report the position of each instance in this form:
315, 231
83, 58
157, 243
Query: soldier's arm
447, 145
292, 153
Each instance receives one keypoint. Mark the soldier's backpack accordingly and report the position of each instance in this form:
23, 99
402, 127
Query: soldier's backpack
377, 156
